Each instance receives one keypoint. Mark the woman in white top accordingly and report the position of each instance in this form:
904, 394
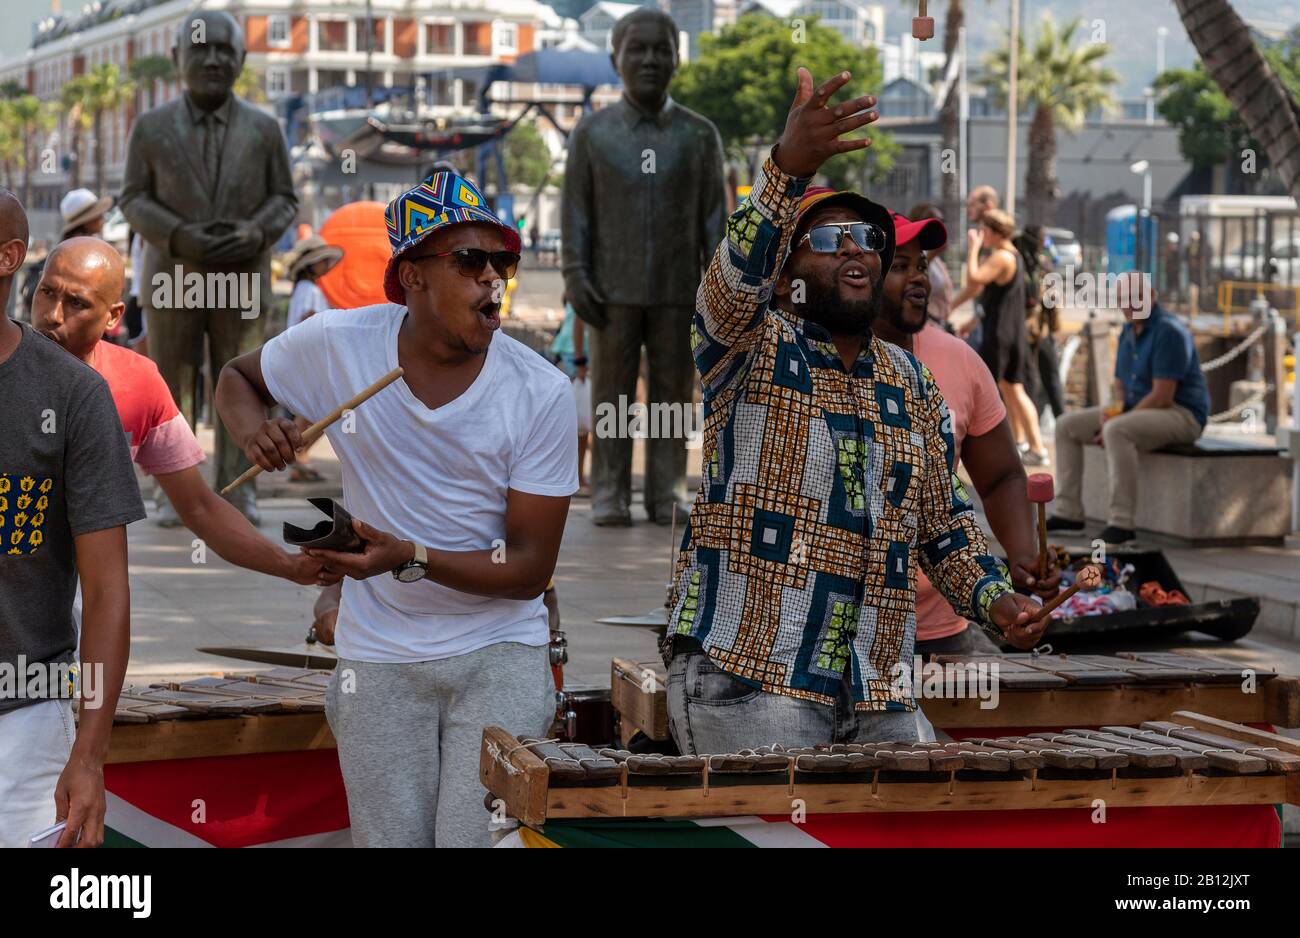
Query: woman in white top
310, 259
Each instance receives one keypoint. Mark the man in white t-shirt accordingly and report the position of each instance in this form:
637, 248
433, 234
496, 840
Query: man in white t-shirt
459, 476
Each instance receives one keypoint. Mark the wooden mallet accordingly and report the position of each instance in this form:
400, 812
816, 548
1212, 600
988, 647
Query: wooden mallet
1089, 578
1041, 491
313, 433
922, 25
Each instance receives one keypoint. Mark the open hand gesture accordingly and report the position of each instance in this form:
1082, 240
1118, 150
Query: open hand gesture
813, 130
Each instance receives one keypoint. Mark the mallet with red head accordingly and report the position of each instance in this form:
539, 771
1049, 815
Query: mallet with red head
1041, 491
922, 25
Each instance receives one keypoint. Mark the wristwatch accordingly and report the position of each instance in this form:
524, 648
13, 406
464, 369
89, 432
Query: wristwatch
415, 569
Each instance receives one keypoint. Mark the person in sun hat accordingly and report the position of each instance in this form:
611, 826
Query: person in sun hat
83, 214
981, 434
459, 475
309, 260
828, 474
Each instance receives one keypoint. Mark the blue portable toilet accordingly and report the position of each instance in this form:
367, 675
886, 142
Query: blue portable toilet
1122, 224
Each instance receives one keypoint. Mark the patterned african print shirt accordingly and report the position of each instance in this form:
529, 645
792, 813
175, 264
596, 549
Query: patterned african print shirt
821, 488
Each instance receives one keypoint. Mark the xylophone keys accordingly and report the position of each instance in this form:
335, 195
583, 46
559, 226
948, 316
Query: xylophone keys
1277, 760
1229, 760
1105, 758
1054, 755
1140, 756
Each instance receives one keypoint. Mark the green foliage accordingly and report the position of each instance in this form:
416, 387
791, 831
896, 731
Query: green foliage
745, 78
1209, 129
150, 68
528, 161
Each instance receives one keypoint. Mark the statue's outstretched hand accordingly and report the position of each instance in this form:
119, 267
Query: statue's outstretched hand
813, 130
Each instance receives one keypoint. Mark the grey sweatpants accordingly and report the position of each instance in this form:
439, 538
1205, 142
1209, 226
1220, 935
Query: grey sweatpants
409, 737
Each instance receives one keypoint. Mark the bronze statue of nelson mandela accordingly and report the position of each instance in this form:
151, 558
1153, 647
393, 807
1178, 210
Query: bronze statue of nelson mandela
207, 185
644, 205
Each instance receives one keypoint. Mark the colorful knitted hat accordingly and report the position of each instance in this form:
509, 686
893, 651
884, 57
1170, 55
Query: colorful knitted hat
444, 198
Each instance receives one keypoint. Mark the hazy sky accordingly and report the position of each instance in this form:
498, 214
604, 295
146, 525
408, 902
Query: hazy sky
1131, 26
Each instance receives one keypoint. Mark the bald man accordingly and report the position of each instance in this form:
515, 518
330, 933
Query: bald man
77, 301
980, 200
67, 492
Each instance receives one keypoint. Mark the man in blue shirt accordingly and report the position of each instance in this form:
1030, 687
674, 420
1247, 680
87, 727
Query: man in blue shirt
1166, 402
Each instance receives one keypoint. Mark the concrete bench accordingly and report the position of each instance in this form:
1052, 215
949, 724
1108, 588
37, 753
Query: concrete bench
1214, 491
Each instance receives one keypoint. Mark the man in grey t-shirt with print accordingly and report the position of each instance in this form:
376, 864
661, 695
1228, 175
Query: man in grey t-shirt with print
67, 492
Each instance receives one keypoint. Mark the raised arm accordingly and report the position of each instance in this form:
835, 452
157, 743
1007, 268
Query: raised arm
732, 302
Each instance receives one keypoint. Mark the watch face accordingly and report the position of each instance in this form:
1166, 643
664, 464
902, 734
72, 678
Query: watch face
410, 574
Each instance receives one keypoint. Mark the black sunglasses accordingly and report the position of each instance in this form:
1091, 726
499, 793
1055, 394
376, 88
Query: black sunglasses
470, 262
826, 239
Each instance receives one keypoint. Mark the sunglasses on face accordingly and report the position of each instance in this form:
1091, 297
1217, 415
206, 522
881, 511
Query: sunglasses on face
826, 239
471, 262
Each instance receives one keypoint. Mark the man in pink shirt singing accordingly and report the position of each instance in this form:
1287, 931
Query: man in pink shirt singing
980, 432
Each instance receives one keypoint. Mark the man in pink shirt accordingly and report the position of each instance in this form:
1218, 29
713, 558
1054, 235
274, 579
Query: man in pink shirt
980, 431
77, 300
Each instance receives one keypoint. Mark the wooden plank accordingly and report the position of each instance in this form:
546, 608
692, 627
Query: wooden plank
1129, 704
204, 703
515, 775
1012, 675
1281, 703
648, 712
226, 736
1212, 670
1235, 731
946, 795
1143, 670
291, 699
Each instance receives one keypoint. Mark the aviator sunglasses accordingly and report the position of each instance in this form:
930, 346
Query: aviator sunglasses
826, 239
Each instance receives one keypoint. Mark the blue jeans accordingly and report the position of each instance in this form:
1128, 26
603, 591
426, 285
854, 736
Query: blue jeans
709, 711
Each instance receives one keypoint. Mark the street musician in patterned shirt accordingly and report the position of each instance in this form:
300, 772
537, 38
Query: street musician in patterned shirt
828, 474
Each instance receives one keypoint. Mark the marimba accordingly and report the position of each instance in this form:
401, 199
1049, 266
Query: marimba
1187, 760
282, 710
1039, 690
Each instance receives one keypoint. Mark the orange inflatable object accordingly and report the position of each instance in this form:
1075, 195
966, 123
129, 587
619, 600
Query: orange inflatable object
357, 280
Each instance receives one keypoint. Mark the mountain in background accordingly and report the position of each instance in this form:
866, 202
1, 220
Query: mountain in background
1130, 28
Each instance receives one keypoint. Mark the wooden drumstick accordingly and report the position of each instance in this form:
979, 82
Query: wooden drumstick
1089, 578
1040, 490
313, 433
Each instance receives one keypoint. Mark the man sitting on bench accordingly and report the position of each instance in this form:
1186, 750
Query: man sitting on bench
1166, 402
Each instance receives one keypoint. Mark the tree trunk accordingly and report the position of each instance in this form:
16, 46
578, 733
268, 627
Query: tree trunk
74, 179
27, 166
99, 151
1237, 66
1040, 180
950, 129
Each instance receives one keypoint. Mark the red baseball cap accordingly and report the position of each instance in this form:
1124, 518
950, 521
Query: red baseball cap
930, 231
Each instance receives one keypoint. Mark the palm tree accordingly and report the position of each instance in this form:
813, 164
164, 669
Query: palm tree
147, 70
34, 119
1063, 82
107, 89
1239, 68
74, 102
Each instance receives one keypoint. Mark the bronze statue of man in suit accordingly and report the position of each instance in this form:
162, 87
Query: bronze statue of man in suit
644, 205
208, 186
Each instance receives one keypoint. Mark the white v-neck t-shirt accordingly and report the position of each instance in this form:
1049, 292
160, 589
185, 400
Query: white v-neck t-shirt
437, 477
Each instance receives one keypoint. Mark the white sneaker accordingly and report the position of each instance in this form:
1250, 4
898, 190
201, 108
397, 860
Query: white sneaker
1031, 458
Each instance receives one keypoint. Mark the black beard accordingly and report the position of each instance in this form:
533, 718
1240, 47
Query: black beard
894, 316
827, 307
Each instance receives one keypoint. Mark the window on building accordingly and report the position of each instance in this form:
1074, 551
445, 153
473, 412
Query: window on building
439, 38
377, 32
277, 82
507, 37
478, 38
277, 32
332, 35
330, 78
